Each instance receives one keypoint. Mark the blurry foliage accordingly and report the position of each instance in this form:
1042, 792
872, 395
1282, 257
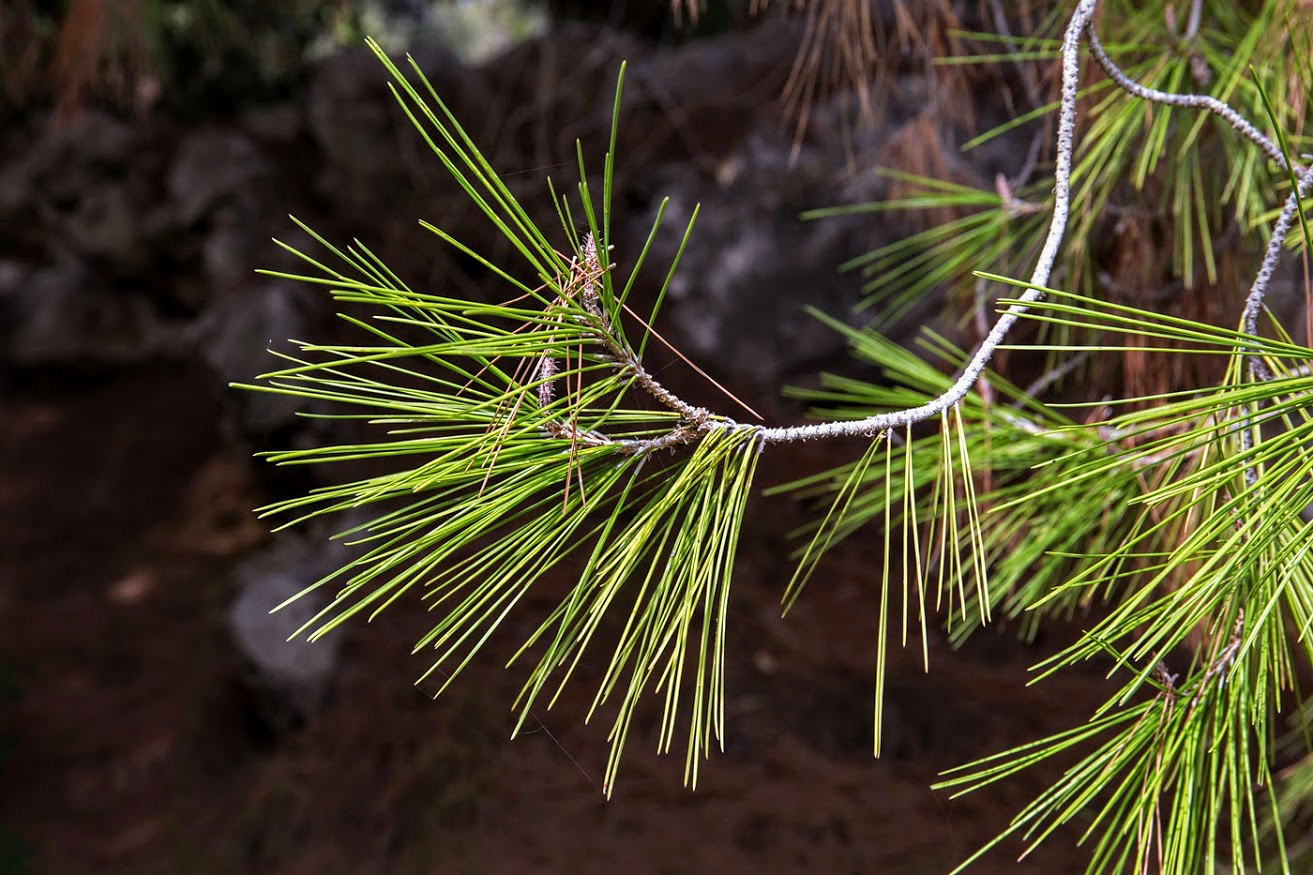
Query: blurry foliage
200, 57
191, 56
194, 57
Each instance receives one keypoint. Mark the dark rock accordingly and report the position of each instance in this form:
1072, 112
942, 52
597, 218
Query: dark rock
752, 263
738, 296
371, 154
230, 247
45, 187
235, 343
214, 166
105, 227
288, 680
274, 124
62, 313
12, 274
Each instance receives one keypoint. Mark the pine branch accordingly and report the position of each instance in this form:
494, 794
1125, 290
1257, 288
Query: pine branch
525, 449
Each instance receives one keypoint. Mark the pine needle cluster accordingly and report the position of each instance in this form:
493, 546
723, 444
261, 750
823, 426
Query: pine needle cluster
525, 447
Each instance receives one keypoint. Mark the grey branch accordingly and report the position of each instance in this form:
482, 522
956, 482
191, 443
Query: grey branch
1258, 370
1254, 303
1184, 101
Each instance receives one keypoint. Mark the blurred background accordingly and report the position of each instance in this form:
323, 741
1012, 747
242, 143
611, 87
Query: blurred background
152, 717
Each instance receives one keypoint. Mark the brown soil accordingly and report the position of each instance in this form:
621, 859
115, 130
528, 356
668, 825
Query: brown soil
130, 747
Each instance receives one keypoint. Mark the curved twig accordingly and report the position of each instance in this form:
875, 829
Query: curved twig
1254, 303
1186, 101
1258, 369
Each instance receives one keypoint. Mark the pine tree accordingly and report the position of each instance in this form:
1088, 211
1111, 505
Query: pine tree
1176, 513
